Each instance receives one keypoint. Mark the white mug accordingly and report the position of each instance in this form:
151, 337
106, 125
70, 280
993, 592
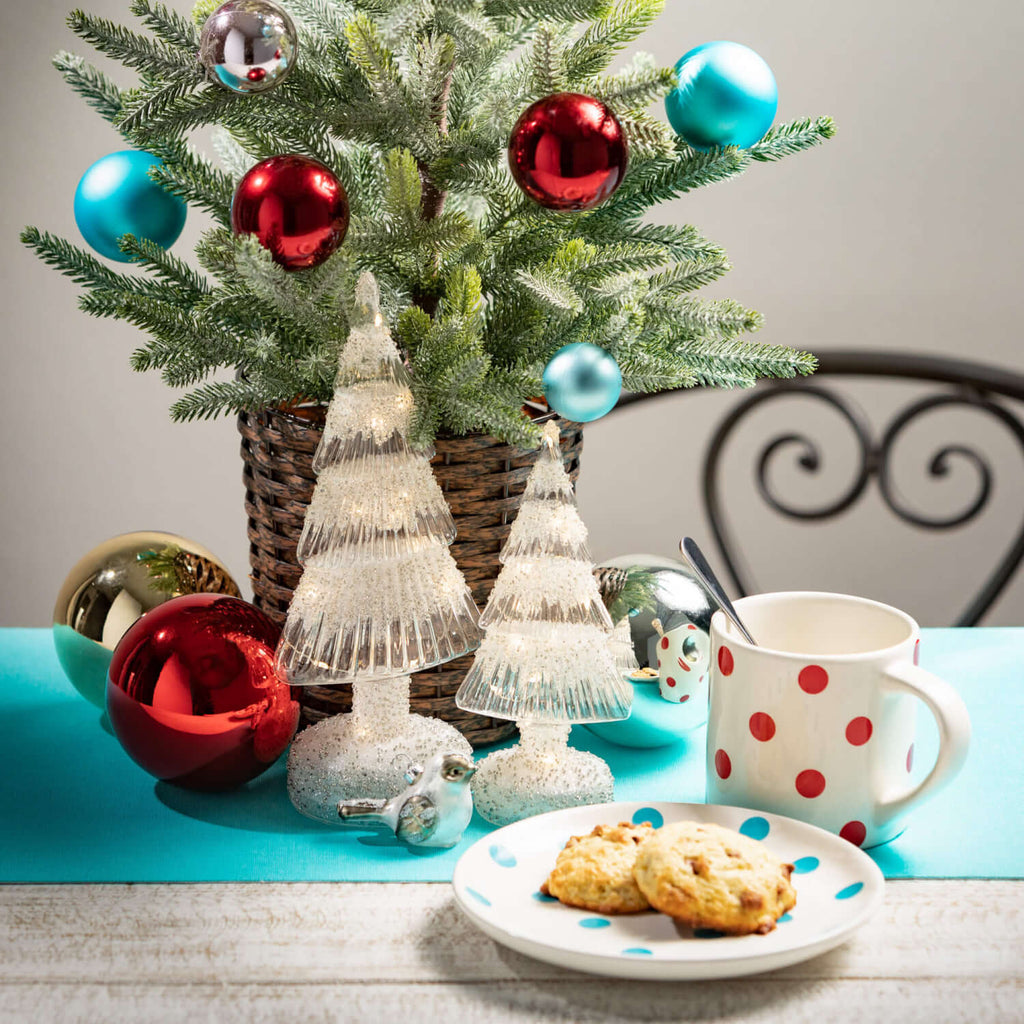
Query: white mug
817, 721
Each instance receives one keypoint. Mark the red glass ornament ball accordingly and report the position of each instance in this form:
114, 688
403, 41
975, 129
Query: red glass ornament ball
295, 206
194, 694
568, 152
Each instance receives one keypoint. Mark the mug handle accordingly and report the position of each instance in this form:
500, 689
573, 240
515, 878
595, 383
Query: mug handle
950, 713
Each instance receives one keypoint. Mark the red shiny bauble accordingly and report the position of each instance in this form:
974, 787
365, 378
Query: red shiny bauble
295, 206
194, 694
568, 152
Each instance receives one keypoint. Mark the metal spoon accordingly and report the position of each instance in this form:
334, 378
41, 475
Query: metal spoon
699, 564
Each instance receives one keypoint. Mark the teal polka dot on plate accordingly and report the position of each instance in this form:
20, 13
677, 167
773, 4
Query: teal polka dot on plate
637, 951
785, 917
805, 865
478, 896
850, 890
595, 922
755, 828
649, 814
543, 897
502, 856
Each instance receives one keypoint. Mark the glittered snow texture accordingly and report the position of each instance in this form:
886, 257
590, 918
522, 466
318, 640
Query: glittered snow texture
544, 671
542, 773
365, 754
378, 619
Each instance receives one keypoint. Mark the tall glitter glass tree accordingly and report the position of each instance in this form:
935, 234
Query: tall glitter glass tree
380, 594
546, 660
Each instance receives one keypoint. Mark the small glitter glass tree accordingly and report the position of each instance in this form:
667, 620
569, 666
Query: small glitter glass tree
546, 660
380, 594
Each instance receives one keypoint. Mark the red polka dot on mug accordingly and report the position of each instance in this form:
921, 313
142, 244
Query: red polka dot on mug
858, 731
762, 726
670, 681
810, 783
685, 697
664, 643
812, 679
725, 660
722, 764
853, 832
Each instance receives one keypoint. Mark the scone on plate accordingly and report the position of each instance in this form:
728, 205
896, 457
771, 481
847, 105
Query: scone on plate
595, 872
706, 876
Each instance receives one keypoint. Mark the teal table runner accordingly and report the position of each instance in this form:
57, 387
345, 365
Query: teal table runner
74, 808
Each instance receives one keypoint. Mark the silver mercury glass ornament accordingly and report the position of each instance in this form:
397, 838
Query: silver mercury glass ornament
673, 635
248, 46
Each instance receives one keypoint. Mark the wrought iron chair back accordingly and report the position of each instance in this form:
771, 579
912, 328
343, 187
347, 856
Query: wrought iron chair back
957, 383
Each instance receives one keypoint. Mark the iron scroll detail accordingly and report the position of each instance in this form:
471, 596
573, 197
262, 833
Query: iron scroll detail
967, 385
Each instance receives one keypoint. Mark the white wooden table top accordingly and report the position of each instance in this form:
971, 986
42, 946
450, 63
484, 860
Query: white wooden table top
937, 951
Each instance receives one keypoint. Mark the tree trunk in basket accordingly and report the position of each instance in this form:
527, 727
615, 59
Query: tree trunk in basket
483, 481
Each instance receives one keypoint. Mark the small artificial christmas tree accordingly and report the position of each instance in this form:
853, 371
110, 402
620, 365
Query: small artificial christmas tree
411, 104
546, 660
380, 594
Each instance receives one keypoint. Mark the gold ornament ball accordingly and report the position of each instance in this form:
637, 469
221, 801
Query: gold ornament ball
112, 586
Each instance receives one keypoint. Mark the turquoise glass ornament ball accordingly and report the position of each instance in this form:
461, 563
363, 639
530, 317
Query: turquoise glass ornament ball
726, 96
582, 382
117, 197
652, 722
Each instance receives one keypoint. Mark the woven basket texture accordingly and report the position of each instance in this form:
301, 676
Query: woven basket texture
483, 481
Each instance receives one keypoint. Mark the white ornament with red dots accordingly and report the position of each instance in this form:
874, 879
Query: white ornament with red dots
683, 668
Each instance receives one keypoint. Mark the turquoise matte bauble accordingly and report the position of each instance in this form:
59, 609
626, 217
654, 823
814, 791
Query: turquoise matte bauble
582, 382
117, 197
652, 722
726, 96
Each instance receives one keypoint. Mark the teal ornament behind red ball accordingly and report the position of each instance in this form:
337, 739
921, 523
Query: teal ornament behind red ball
726, 96
117, 197
582, 382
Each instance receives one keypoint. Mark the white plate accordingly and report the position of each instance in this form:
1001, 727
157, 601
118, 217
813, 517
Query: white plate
497, 883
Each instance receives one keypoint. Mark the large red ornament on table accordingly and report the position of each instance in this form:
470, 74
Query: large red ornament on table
194, 695
295, 206
568, 152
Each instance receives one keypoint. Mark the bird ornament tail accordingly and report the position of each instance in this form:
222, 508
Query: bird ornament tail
364, 813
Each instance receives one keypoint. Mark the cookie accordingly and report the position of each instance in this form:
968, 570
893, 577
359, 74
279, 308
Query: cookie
595, 872
706, 876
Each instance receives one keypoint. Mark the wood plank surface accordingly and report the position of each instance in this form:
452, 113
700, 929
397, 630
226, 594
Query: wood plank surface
936, 951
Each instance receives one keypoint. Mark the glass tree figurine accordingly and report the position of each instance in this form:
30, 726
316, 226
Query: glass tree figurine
546, 660
380, 595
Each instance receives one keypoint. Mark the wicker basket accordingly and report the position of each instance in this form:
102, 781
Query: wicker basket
483, 480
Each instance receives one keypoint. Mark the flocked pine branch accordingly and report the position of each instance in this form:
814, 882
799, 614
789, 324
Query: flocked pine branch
411, 102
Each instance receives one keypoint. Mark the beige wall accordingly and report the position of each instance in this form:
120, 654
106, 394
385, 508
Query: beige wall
902, 233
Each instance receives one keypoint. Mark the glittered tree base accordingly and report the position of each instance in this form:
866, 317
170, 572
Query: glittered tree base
365, 754
541, 773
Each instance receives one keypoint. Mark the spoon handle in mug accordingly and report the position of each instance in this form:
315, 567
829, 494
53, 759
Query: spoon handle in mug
693, 554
